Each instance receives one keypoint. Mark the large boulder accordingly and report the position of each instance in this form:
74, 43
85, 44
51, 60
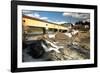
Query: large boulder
62, 38
35, 49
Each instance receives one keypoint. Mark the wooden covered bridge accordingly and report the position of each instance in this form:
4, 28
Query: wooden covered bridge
28, 21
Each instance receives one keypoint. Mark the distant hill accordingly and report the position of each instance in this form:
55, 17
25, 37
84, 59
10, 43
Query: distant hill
67, 24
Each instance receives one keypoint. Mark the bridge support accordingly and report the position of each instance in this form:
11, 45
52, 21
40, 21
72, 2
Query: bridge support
44, 31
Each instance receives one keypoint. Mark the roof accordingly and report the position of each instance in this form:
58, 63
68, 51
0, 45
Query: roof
33, 18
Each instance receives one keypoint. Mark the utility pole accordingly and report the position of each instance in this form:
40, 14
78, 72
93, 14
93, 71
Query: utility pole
71, 30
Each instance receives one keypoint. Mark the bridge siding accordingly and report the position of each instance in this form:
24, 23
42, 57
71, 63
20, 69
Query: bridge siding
37, 23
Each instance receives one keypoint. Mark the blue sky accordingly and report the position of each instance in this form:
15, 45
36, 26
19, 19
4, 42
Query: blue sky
57, 17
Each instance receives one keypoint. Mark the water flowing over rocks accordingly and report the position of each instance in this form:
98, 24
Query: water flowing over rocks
58, 47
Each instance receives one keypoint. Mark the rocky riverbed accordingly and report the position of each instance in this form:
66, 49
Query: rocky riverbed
58, 47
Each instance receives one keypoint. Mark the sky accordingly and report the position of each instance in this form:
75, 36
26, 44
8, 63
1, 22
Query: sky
57, 17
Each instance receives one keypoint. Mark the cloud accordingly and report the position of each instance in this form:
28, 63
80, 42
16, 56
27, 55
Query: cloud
60, 22
31, 15
26, 11
88, 20
34, 14
44, 18
77, 15
67, 14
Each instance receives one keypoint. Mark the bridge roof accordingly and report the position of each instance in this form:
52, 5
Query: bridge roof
33, 18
